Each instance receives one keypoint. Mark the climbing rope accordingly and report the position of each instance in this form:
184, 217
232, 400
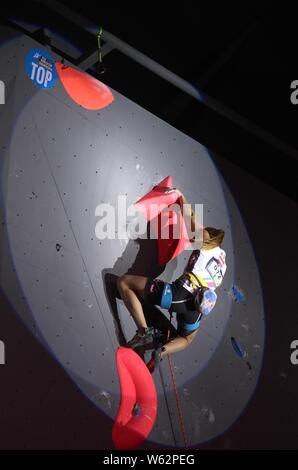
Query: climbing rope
99, 36
178, 403
180, 414
168, 406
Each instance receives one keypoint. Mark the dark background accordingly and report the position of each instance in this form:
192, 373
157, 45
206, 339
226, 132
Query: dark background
244, 56
241, 53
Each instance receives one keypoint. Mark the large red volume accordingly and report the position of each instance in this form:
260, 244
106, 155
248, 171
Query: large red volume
156, 200
156, 203
85, 90
137, 386
170, 247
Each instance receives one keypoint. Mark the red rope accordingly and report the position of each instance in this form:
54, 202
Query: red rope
176, 391
178, 403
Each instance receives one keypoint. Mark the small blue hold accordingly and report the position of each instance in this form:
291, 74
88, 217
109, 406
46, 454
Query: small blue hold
237, 294
136, 410
237, 347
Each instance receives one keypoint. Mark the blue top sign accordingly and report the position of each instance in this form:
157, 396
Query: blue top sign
40, 68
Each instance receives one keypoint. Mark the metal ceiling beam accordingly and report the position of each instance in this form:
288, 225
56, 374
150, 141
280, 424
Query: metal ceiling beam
172, 78
45, 41
226, 55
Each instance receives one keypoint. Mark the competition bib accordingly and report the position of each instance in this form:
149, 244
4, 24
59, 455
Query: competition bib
214, 269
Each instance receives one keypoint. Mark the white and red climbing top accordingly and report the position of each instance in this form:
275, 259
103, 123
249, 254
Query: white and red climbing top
209, 266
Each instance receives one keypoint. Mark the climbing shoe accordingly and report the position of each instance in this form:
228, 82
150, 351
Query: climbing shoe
141, 340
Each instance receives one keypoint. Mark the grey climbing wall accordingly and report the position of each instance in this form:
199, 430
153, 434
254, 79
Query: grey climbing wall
58, 163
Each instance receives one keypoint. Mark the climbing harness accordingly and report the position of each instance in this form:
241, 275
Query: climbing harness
204, 302
167, 296
176, 390
195, 280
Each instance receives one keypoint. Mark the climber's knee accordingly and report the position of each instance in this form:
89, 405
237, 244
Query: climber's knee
122, 284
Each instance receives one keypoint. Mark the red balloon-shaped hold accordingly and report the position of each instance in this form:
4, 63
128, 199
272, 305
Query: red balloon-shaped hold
83, 89
137, 386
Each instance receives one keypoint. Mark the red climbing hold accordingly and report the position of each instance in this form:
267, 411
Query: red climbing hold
172, 233
138, 393
157, 199
175, 243
85, 90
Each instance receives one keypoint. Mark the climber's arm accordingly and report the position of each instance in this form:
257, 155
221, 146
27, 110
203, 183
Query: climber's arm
189, 213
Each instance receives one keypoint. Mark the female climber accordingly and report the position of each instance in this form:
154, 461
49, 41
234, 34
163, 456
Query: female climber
188, 294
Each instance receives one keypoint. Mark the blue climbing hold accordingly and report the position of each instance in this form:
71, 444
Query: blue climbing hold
237, 294
136, 410
237, 347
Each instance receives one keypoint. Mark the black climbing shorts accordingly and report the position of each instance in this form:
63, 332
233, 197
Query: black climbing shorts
182, 302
